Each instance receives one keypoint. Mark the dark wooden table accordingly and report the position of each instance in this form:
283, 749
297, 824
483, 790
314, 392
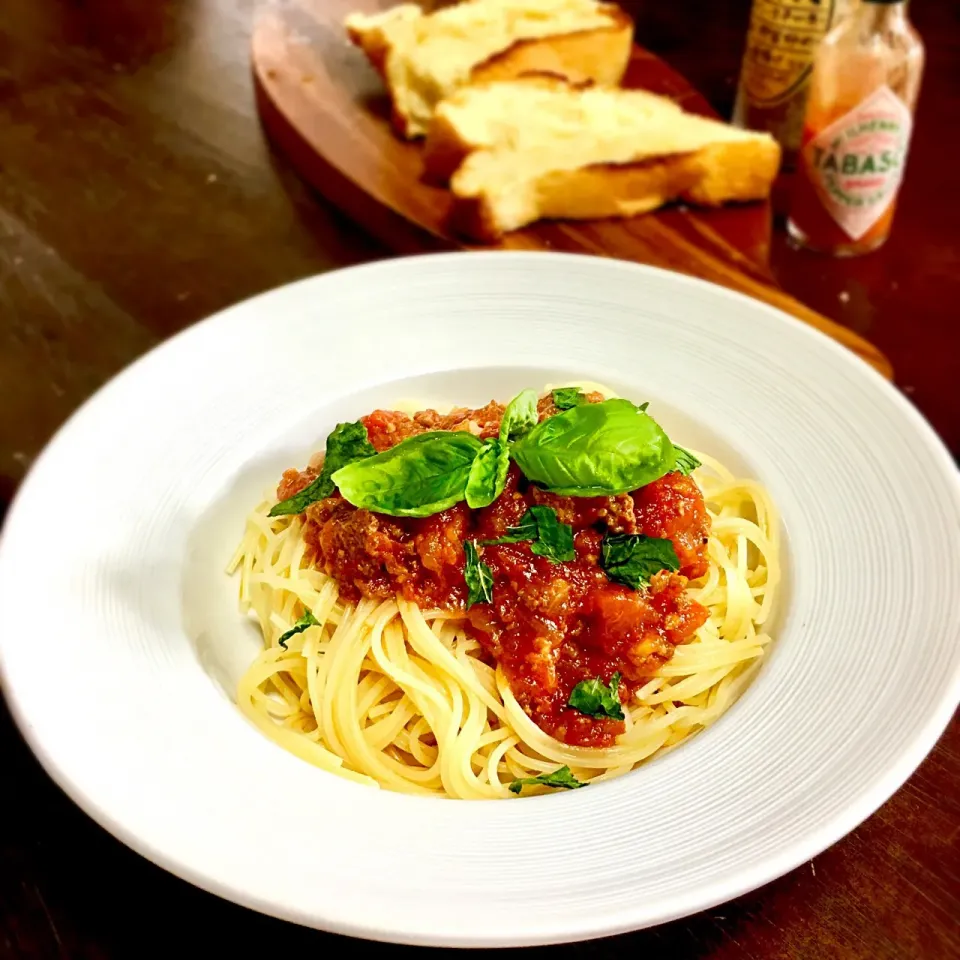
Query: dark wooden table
137, 195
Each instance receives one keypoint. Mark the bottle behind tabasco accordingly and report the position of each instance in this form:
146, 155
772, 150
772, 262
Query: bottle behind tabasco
774, 78
856, 131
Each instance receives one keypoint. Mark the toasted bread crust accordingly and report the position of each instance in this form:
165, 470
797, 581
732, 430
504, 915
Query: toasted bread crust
596, 56
373, 43
711, 176
599, 55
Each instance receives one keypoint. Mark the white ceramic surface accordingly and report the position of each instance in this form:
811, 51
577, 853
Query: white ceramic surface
120, 640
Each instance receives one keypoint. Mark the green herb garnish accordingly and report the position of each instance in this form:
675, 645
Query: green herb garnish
561, 778
589, 450
686, 461
520, 417
596, 699
488, 474
595, 449
347, 443
307, 620
419, 477
478, 575
550, 538
632, 558
566, 397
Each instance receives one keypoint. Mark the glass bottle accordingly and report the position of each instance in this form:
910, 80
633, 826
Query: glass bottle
859, 118
781, 42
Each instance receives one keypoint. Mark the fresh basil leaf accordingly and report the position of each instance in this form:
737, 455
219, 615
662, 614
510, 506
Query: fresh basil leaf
551, 538
347, 443
488, 474
632, 558
478, 575
596, 449
520, 417
686, 461
554, 539
419, 477
307, 620
561, 778
566, 397
596, 699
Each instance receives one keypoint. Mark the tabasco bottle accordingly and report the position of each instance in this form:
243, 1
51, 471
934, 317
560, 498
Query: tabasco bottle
856, 131
781, 42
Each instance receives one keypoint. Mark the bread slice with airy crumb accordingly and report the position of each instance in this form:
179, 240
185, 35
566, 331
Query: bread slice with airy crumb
531, 112
425, 57
539, 147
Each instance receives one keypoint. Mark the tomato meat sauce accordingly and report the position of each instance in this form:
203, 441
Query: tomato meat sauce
550, 625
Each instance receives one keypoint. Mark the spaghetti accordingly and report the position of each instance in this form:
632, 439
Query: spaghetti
390, 693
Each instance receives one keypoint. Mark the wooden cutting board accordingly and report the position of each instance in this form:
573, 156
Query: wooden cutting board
323, 106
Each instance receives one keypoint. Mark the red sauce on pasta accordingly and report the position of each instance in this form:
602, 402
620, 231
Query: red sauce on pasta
550, 625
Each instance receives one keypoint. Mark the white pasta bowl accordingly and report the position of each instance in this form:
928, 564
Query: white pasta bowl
121, 643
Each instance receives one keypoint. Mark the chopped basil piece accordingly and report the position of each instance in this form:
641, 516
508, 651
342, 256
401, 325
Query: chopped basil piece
347, 443
307, 620
596, 699
478, 575
520, 417
566, 397
686, 461
551, 538
488, 474
561, 778
419, 477
632, 558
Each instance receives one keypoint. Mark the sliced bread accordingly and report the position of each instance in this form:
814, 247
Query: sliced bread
539, 147
425, 57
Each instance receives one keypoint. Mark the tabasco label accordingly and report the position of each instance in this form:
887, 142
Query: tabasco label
856, 164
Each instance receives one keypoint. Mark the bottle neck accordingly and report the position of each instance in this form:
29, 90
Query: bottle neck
877, 15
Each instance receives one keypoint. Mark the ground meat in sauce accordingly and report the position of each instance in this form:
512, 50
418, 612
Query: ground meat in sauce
371, 555
673, 508
550, 625
615, 514
386, 428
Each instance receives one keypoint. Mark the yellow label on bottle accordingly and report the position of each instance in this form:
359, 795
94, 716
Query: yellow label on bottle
783, 37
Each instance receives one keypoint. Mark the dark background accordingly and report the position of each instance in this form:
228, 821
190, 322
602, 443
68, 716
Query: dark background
137, 195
